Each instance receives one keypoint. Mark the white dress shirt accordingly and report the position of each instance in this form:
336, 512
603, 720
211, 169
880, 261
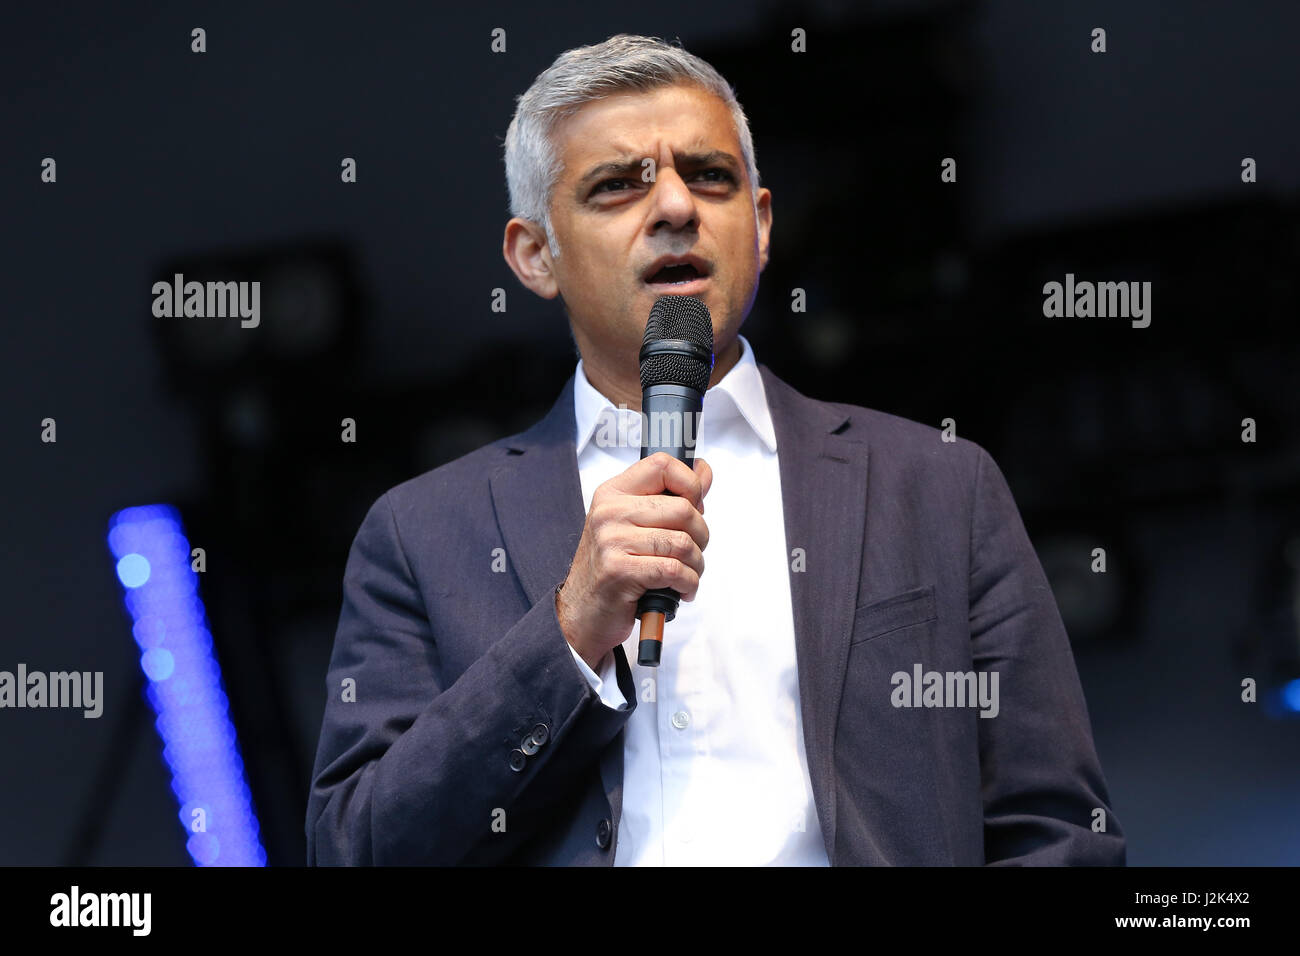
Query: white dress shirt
714, 768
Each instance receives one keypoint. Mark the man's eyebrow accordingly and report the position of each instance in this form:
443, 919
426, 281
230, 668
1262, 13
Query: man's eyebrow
627, 165
712, 157
619, 167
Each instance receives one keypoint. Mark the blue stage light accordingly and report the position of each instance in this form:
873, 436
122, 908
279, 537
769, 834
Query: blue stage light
133, 570
1291, 695
160, 591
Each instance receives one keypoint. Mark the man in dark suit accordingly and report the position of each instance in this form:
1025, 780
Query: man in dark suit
879, 655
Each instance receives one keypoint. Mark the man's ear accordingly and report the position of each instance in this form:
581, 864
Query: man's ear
529, 257
763, 207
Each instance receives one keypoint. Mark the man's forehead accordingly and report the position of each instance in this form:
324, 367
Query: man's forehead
626, 149
694, 131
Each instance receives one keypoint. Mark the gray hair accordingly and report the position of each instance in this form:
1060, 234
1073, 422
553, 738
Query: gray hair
578, 76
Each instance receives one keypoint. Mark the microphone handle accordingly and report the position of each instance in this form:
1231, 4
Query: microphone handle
670, 422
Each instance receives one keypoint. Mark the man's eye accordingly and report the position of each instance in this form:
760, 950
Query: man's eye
726, 176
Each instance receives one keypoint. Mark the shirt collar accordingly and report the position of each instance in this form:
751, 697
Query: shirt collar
739, 393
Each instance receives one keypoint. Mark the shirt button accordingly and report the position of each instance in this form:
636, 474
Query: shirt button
681, 719
517, 760
603, 833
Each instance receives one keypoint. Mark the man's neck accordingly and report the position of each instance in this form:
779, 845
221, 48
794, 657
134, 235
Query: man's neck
626, 393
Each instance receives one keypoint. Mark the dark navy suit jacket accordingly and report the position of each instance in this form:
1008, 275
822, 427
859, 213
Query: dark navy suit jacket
473, 737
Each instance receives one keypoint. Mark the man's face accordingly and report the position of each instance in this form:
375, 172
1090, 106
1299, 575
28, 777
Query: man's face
614, 228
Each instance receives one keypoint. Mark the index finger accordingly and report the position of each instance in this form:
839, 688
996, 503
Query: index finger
659, 473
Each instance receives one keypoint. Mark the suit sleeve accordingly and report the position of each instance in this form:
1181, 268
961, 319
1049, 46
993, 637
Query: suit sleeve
1041, 781
410, 772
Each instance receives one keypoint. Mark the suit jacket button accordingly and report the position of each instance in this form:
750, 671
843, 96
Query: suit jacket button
517, 760
541, 733
528, 745
603, 833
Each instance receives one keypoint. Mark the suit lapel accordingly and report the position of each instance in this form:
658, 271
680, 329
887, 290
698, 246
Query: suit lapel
538, 498
824, 500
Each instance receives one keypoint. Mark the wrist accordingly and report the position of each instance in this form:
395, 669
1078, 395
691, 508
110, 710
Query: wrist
591, 659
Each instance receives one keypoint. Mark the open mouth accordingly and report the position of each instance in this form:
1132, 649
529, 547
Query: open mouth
673, 275
682, 275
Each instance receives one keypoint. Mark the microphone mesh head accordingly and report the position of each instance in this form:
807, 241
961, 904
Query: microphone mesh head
678, 317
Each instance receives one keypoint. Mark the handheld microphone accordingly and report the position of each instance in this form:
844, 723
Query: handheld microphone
676, 362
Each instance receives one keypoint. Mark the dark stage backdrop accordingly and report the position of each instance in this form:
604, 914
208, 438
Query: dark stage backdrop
1170, 441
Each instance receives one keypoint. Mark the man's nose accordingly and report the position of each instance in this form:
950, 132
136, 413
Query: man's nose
673, 203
